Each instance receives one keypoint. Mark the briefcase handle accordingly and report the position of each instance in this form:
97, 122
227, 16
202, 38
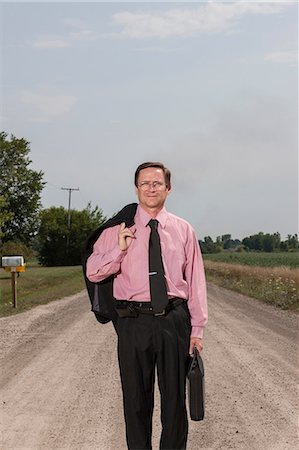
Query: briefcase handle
196, 361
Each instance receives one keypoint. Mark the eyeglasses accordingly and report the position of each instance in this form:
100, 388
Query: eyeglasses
144, 185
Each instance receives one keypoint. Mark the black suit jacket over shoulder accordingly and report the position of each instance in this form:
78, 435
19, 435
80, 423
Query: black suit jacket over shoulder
101, 293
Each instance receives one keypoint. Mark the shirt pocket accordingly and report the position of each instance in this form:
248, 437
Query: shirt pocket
174, 258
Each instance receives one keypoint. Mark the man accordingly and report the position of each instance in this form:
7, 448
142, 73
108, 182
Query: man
161, 307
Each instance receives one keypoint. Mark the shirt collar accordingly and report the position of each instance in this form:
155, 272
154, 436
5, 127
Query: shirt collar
144, 217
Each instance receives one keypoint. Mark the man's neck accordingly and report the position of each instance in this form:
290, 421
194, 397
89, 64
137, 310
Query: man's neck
153, 212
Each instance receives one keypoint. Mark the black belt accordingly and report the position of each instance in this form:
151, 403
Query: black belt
126, 308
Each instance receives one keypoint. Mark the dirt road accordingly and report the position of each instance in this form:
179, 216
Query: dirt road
60, 385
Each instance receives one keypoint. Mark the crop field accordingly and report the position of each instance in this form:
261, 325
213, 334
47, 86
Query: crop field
270, 277
262, 259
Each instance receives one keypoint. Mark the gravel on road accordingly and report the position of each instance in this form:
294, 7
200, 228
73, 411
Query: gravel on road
60, 385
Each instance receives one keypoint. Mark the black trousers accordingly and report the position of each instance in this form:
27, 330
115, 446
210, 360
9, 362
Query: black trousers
146, 342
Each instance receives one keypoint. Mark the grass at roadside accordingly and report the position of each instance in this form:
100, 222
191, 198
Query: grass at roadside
39, 285
275, 285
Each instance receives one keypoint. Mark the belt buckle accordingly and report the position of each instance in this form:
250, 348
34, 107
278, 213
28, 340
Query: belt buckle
162, 313
133, 311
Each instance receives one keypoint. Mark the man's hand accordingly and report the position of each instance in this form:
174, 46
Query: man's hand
195, 342
125, 237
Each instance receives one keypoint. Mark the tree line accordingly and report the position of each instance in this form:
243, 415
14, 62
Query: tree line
28, 229
260, 242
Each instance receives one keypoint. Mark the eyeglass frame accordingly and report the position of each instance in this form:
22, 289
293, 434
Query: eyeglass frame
144, 185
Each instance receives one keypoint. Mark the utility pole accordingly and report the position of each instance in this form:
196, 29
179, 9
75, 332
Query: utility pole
69, 215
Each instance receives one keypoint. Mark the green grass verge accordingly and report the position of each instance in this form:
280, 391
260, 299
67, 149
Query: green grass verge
261, 259
39, 285
278, 286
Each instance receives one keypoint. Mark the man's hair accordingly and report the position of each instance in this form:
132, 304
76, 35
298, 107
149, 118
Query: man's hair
158, 165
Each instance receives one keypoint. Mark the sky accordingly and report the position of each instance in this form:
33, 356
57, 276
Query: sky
208, 88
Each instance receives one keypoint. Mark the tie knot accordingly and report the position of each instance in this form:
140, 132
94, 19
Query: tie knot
153, 223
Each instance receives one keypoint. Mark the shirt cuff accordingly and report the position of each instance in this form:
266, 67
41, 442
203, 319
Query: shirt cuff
197, 332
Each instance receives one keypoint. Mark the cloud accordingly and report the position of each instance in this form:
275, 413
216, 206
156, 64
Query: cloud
80, 33
51, 43
211, 17
283, 57
64, 41
74, 22
157, 49
49, 105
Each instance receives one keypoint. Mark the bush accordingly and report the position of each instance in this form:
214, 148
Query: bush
11, 248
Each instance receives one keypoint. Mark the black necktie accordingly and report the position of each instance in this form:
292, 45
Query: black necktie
157, 281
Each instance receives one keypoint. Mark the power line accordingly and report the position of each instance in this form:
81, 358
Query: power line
69, 214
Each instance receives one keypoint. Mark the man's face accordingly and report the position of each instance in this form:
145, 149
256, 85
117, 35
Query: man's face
152, 190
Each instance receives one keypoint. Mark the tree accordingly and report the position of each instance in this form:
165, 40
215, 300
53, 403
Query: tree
263, 242
276, 240
228, 243
283, 246
208, 246
225, 238
292, 242
21, 189
268, 243
5, 214
254, 242
51, 242
16, 249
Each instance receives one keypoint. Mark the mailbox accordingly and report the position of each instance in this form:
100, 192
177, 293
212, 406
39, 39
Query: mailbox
13, 263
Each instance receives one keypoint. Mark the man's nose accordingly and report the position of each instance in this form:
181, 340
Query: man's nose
152, 186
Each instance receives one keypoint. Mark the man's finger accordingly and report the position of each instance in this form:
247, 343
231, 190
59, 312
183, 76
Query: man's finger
195, 342
127, 233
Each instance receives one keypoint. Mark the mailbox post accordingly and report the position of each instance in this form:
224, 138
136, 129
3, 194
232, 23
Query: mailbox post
14, 265
14, 287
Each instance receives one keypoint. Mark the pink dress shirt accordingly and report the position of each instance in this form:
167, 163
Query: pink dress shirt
183, 264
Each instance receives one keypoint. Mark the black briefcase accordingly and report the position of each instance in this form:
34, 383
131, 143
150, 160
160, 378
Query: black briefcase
196, 387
